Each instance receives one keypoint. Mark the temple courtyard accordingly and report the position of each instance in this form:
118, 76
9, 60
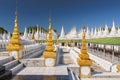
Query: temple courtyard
40, 55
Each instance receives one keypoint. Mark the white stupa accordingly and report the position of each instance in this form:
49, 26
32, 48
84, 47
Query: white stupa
106, 31
4, 36
113, 30
29, 34
72, 34
80, 34
62, 34
37, 35
9, 36
92, 33
88, 34
95, 33
54, 35
100, 33
118, 35
42, 35
25, 35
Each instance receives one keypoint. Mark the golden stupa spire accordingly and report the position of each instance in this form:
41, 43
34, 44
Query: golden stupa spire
49, 50
15, 42
84, 59
83, 52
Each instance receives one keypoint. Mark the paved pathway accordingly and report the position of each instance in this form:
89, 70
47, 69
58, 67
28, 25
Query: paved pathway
97, 68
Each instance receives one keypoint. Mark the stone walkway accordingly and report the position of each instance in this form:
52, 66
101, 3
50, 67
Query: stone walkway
65, 57
97, 68
3, 57
3, 53
38, 73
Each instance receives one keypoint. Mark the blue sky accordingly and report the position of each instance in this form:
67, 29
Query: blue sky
69, 13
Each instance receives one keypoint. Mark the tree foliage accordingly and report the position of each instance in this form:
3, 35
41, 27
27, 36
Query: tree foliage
2, 30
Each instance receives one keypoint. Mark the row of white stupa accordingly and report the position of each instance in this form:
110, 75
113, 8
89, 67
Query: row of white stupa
39, 35
96, 33
72, 34
5, 36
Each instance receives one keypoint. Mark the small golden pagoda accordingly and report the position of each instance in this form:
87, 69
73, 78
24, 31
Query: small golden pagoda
84, 60
118, 68
15, 43
49, 53
33, 37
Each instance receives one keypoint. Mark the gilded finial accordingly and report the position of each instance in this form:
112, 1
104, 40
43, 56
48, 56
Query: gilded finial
50, 20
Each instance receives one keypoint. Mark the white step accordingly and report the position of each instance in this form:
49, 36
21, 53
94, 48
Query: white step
6, 60
17, 68
106, 75
10, 64
4, 53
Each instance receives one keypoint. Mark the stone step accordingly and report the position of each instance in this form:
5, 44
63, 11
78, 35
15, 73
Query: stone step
106, 75
2, 70
6, 60
66, 59
4, 53
6, 76
17, 68
110, 76
10, 64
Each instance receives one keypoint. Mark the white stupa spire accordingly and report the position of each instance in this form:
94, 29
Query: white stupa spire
72, 34
88, 35
95, 33
62, 34
100, 33
118, 32
37, 35
29, 33
4, 36
106, 31
113, 30
9, 36
92, 33
54, 35
25, 35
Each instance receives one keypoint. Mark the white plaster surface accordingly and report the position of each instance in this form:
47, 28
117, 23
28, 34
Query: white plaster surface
44, 71
99, 78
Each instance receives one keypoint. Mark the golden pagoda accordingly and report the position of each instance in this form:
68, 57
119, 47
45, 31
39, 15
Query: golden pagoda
84, 60
49, 50
15, 43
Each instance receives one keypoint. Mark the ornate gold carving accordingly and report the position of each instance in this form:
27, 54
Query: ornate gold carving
15, 42
49, 50
118, 68
83, 59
